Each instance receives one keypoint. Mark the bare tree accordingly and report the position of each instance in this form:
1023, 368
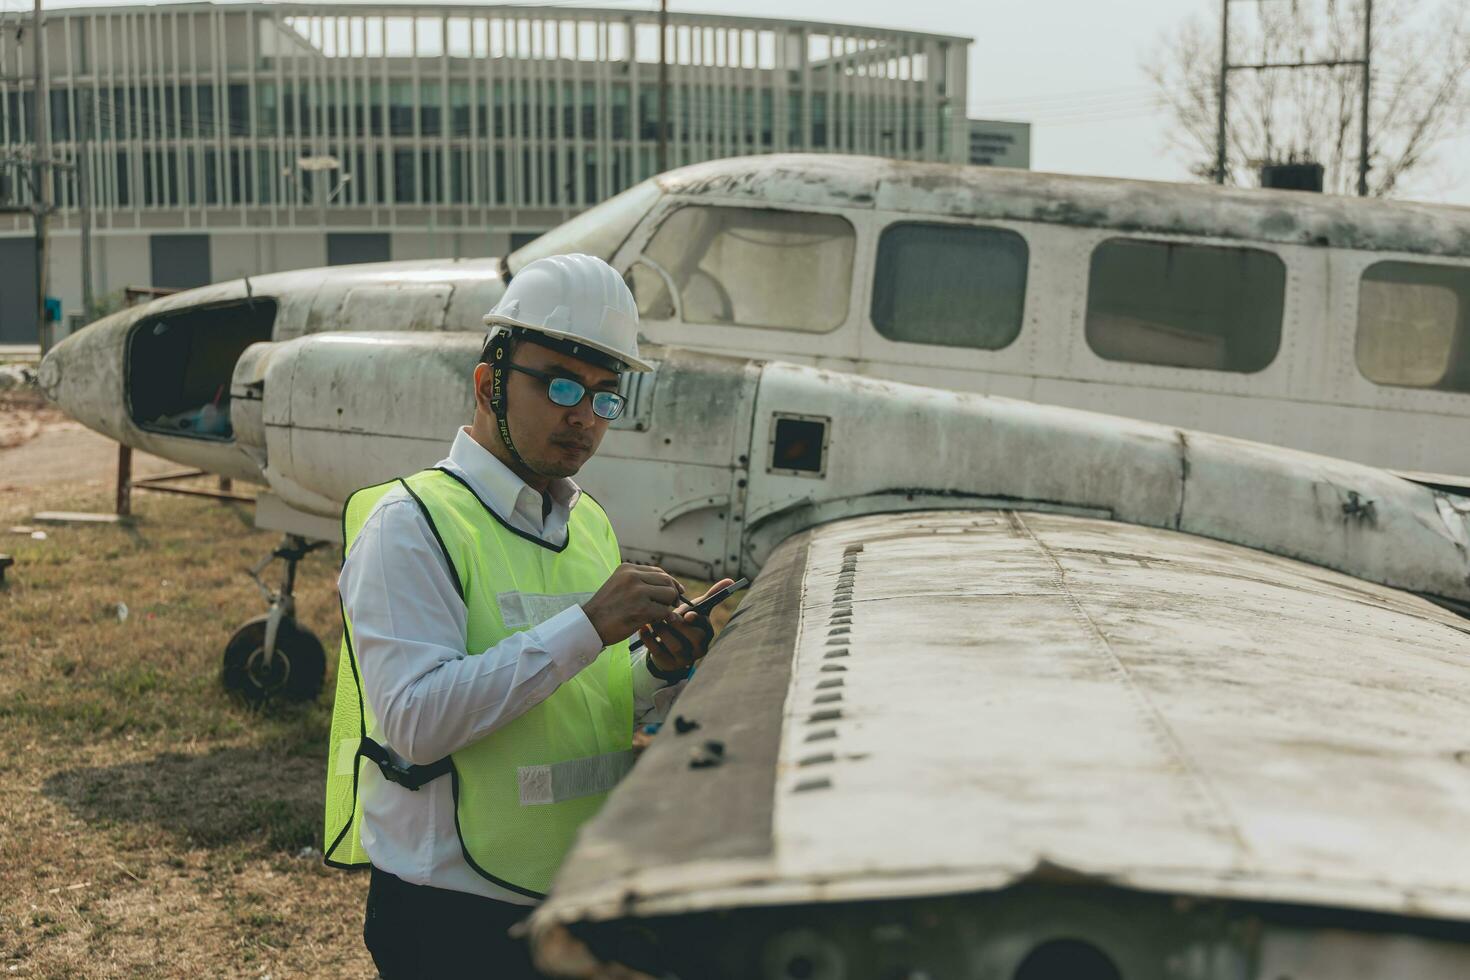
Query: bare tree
1420, 86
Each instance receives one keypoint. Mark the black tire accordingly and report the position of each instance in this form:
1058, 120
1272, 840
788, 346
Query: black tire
295, 673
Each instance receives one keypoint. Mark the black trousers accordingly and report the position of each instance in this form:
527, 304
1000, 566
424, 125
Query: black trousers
418, 931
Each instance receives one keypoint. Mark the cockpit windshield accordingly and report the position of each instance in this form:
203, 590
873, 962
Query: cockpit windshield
597, 231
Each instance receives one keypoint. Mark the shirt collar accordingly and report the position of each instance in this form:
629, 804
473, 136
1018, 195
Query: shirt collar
496, 485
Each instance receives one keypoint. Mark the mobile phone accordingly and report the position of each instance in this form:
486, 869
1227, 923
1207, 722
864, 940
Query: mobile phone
706, 605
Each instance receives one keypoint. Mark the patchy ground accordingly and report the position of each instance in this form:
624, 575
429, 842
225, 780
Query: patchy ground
24, 414
149, 825
38, 444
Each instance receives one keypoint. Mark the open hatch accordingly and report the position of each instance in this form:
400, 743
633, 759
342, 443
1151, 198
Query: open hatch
179, 365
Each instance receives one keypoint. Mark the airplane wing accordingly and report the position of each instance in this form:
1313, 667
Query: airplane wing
940, 744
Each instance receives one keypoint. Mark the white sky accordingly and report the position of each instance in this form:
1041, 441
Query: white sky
1070, 67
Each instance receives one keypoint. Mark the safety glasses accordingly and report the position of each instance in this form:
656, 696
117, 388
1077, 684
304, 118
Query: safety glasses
567, 393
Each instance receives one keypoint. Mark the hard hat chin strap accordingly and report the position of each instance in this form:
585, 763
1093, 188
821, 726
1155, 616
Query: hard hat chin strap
500, 353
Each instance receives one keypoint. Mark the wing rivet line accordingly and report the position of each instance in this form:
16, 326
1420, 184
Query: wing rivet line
1210, 810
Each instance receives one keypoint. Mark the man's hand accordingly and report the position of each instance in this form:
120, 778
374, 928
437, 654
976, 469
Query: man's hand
680, 639
632, 596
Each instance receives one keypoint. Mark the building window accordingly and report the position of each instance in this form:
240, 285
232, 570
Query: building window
756, 268
950, 285
1414, 325
1188, 306
403, 182
400, 108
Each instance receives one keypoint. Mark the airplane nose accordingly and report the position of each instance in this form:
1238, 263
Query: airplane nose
49, 375
82, 375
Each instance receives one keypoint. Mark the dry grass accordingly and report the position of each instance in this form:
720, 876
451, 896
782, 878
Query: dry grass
149, 825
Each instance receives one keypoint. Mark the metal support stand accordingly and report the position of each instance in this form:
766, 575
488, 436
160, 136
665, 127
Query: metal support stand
164, 483
124, 480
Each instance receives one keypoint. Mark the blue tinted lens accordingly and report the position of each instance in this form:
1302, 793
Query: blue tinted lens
607, 404
565, 392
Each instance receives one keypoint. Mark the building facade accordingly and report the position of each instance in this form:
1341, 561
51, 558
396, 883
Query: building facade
226, 140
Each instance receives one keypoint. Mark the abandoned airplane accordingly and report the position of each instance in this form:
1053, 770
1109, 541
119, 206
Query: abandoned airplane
1335, 325
1020, 691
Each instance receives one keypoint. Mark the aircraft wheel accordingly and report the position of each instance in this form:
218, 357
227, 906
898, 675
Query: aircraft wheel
294, 673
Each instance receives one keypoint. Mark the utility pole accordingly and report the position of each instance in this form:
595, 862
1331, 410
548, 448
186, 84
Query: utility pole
663, 85
1220, 150
1367, 79
40, 169
1364, 63
83, 164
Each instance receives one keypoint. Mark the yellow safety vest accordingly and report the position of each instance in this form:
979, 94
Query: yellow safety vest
522, 792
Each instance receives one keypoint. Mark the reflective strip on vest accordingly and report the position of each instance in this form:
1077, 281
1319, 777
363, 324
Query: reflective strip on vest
573, 779
520, 610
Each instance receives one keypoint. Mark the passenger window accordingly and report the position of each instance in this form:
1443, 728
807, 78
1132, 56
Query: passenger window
751, 267
1414, 326
1189, 306
950, 285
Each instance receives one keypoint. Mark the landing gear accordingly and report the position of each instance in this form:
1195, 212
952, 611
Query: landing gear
271, 656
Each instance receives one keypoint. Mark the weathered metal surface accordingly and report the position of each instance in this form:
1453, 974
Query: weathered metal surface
697, 486
1312, 395
87, 373
1285, 217
1017, 691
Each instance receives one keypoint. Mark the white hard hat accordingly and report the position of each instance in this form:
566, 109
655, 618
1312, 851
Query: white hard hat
576, 298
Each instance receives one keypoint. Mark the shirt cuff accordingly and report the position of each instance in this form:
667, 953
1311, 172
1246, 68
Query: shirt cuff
652, 697
644, 683
571, 640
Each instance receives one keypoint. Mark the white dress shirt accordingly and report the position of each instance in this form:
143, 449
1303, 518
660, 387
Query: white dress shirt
428, 697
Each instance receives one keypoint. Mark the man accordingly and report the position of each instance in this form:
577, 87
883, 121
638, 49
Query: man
486, 697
